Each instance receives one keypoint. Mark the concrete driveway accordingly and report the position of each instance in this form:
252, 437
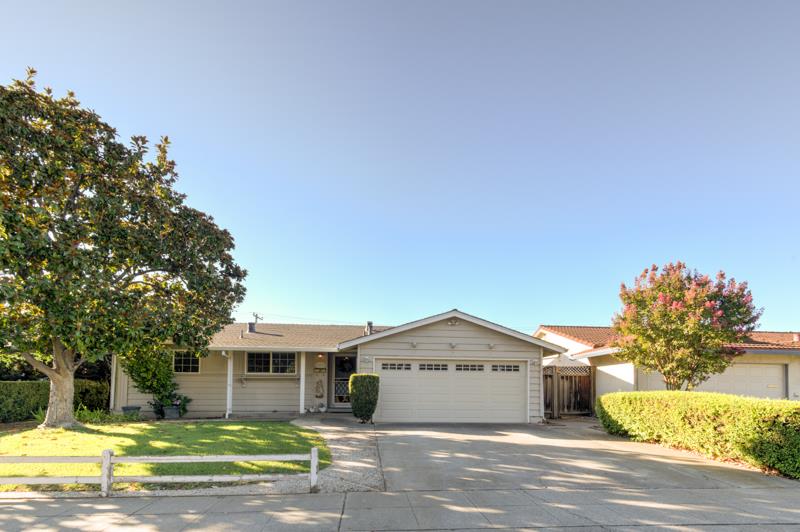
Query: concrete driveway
447, 477
573, 454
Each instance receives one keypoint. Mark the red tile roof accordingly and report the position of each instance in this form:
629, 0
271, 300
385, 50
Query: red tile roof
596, 337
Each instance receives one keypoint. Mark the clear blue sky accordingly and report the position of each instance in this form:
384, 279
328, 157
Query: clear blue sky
517, 160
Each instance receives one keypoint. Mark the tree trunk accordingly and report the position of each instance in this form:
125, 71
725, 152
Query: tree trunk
60, 407
673, 384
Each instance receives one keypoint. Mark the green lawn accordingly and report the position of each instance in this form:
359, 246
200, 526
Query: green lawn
161, 438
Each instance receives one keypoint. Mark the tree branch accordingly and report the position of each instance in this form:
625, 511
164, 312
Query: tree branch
38, 365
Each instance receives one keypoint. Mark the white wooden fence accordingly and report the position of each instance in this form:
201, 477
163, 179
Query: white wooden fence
107, 460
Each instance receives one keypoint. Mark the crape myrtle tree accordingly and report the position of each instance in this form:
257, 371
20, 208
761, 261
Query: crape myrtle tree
98, 252
682, 323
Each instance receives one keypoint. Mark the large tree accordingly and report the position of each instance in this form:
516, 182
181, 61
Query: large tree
98, 252
682, 323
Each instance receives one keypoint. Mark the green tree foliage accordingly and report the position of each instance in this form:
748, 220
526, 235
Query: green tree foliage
683, 324
98, 252
364, 389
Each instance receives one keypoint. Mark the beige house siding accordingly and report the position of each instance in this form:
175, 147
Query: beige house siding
472, 342
252, 394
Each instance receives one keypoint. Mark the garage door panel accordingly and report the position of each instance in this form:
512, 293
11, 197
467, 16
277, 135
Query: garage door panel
461, 393
757, 380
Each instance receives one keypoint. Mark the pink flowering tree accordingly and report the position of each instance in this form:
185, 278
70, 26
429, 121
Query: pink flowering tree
683, 324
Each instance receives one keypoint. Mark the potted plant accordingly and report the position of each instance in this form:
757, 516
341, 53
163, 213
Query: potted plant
131, 410
170, 405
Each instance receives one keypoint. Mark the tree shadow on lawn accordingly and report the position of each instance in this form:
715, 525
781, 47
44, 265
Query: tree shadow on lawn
177, 439
218, 438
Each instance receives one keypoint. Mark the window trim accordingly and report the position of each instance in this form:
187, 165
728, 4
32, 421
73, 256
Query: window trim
470, 367
199, 365
503, 367
270, 373
433, 366
395, 366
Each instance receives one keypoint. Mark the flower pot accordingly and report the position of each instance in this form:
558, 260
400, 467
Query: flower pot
128, 410
171, 412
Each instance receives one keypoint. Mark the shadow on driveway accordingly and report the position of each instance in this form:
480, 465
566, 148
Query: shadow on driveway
574, 454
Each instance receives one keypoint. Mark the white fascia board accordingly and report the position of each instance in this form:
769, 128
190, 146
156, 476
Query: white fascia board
772, 351
595, 353
611, 350
447, 315
270, 348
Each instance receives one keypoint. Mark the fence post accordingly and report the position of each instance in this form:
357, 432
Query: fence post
106, 473
313, 474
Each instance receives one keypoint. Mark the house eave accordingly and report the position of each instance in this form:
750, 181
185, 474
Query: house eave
455, 313
245, 348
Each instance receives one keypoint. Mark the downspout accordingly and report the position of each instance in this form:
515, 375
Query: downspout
541, 384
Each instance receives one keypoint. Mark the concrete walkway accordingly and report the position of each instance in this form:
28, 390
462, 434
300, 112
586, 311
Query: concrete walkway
684, 509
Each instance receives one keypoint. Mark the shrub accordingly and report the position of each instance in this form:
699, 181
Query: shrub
152, 372
86, 415
20, 400
761, 432
364, 395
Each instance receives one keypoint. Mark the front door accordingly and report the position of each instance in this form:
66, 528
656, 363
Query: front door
344, 365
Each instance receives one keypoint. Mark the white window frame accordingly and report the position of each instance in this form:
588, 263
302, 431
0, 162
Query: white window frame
505, 368
271, 373
470, 368
395, 366
433, 367
199, 365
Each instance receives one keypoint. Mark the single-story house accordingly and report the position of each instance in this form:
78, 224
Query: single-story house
451, 367
769, 366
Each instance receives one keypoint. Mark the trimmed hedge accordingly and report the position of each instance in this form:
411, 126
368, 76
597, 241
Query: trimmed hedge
364, 395
762, 432
20, 399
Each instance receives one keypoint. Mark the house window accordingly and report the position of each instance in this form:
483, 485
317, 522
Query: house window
433, 367
272, 363
505, 367
185, 363
396, 366
469, 367
284, 363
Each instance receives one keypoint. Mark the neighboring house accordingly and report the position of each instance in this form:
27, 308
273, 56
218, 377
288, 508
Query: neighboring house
448, 367
769, 367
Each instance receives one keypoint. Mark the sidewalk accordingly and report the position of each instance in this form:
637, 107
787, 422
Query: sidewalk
688, 509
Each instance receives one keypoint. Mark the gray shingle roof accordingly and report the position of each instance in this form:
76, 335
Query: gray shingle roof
291, 336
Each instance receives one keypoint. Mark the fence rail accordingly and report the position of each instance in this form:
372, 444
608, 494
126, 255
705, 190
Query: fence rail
107, 459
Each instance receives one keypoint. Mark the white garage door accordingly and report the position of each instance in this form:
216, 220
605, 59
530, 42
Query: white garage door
465, 391
757, 380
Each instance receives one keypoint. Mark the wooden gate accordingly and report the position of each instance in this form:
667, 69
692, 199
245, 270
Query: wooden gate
568, 390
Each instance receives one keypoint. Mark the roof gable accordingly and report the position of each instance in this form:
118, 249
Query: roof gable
452, 314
